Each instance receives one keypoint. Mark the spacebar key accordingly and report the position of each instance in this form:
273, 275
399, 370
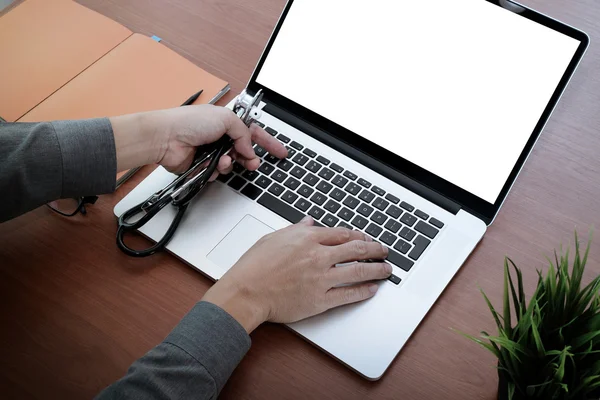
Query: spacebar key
280, 208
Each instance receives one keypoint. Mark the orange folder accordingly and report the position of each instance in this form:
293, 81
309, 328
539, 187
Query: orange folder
43, 45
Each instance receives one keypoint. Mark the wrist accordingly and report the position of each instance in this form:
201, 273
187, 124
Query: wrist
137, 140
237, 302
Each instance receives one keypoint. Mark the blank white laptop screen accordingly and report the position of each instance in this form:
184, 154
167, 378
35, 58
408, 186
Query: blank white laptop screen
455, 87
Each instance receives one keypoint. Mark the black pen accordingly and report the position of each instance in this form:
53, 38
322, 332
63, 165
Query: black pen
192, 99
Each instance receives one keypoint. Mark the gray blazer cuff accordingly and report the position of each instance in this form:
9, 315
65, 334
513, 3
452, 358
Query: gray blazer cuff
214, 338
89, 159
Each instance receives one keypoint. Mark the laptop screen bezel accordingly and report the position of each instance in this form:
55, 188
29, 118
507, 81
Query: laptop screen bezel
468, 201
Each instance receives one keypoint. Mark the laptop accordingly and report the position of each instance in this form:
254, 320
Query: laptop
407, 120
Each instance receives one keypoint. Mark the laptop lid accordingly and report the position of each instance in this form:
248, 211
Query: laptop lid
452, 94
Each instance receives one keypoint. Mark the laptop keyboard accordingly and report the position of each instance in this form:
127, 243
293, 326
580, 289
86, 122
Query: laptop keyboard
307, 183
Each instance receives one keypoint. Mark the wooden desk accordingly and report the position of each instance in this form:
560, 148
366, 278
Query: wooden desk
75, 312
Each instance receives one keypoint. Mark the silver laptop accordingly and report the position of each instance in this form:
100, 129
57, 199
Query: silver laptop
407, 120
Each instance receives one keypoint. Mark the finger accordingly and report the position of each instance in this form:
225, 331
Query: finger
213, 176
350, 294
240, 134
359, 272
250, 165
357, 250
225, 165
308, 221
268, 142
336, 236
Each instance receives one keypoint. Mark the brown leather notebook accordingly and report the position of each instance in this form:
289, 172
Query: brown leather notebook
136, 74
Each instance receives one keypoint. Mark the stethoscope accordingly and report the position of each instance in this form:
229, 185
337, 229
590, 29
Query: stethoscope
186, 186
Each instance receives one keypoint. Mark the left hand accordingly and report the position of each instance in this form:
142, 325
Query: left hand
170, 138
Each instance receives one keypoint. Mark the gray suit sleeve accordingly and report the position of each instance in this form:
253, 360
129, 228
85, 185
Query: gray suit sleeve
193, 362
41, 162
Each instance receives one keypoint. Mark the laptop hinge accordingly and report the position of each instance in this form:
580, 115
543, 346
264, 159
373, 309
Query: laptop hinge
363, 158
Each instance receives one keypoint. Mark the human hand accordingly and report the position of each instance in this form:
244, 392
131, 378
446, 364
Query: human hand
170, 137
290, 275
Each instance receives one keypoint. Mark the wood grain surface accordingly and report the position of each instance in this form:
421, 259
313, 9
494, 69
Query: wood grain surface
75, 312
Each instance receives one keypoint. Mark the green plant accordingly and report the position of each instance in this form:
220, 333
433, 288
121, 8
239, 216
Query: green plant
553, 349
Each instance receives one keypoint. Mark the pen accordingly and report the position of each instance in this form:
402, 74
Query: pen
192, 99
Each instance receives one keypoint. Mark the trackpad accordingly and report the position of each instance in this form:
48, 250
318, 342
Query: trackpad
243, 236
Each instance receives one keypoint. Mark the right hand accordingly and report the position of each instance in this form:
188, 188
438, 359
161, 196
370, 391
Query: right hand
290, 275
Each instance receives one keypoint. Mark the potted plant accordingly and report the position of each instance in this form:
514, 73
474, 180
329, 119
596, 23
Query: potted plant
548, 347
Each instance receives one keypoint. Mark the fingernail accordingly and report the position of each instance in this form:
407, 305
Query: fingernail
385, 249
373, 288
388, 268
368, 238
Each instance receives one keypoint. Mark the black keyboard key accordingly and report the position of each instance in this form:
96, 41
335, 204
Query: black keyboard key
285, 165
271, 131
298, 172
332, 206
330, 220
279, 176
324, 187
374, 230
421, 243
336, 168
393, 226
224, 178
378, 218
399, 260
408, 219
289, 197
394, 279
353, 188
318, 198
302, 204
407, 206
388, 238
305, 191
310, 179
337, 194
313, 166
378, 190
323, 160
326, 174
392, 198
263, 181
250, 175
339, 181
259, 151
351, 202
316, 212
345, 214
280, 208
292, 183
394, 211
270, 158
266, 168
251, 191
402, 246
309, 153
291, 152
237, 168
380, 203
259, 124
365, 210
366, 196
422, 214
276, 189
436, 222
364, 183
237, 182
283, 138
360, 222
300, 159
350, 175
342, 224
426, 229
407, 233
296, 145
